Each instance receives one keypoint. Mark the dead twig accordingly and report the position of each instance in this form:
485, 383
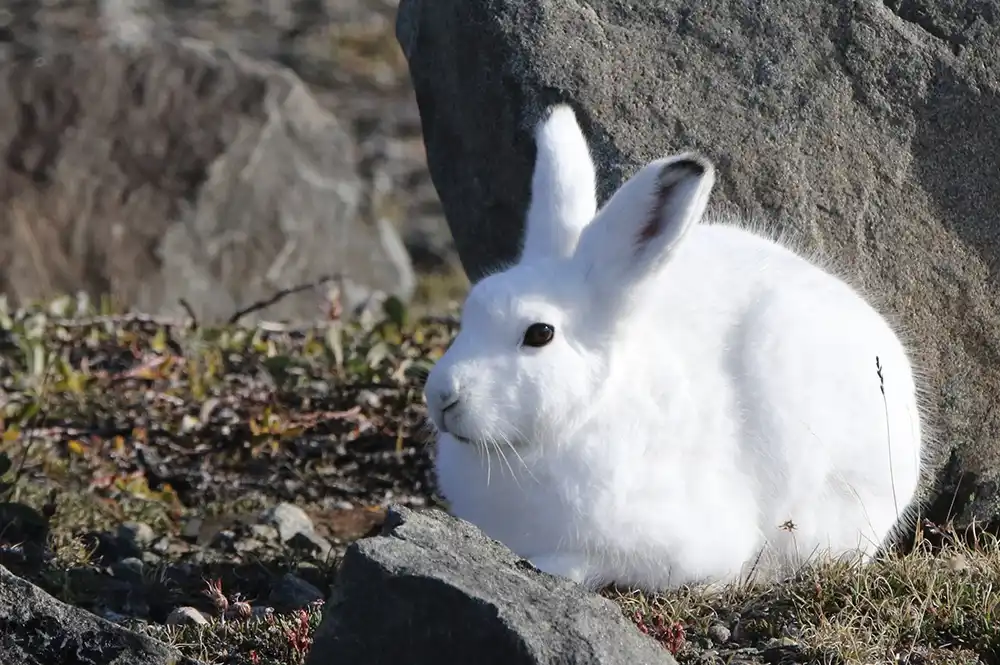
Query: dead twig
190, 312
280, 295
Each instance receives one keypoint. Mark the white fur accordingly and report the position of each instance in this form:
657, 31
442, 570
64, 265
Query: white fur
706, 387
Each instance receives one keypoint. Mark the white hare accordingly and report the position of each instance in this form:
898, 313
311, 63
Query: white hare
649, 401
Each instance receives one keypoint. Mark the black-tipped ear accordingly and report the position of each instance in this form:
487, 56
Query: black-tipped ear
686, 169
637, 231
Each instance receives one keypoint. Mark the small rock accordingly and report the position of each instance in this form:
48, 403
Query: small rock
292, 593
261, 611
191, 529
244, 545
311, 542
189, 423
224, 540
369, 399
186, 616
137, 533
957, 562
128, 569
780, 650
265, 533
161, 546
288, 519
719, 633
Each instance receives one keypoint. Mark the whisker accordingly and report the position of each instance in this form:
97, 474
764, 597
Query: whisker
485, 449
523, 463
504, 457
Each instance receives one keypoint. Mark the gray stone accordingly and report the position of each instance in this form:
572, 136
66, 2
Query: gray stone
265, 533
288, 519
186, 616
292, 592
37, 629
865, 131
172, 168
138, 533
295, 529
431, 584
312, 543
128, 569
719, 633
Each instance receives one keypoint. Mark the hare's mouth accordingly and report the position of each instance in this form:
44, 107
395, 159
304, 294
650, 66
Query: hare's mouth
460, 438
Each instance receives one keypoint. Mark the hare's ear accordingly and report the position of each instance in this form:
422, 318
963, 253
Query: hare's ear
640, 227
563, 187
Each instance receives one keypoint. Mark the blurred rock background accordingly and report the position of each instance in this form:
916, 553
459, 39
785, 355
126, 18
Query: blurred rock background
213, 153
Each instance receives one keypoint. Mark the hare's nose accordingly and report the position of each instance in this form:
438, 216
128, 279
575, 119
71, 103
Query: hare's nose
448, 401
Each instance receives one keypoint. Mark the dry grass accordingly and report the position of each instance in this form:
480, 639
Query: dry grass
933, 605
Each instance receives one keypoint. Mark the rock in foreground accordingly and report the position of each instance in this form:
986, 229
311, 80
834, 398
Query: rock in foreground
433, 589
37, 629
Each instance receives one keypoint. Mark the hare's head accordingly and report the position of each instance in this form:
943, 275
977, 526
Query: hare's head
537, 340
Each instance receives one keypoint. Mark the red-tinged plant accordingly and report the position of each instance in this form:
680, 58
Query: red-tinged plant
298, 637
671, 635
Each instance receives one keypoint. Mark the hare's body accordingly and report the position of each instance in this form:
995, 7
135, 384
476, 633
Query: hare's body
728, 419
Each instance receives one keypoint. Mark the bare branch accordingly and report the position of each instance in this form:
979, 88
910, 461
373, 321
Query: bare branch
283, 293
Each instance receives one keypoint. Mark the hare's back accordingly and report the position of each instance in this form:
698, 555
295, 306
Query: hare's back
832, 407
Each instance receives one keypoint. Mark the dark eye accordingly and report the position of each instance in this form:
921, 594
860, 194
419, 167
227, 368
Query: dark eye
538, 334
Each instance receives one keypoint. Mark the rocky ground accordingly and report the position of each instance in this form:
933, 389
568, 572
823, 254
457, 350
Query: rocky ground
200, 485
162, 470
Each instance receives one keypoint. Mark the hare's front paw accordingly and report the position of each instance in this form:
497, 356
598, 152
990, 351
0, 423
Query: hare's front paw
563, 564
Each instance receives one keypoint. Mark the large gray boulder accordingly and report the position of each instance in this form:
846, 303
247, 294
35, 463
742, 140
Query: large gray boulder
865, 130
155, 167
37, 629
434, 589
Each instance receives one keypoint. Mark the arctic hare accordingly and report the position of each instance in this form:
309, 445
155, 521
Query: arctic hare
649, 401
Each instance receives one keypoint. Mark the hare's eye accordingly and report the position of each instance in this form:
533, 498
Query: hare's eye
538, 334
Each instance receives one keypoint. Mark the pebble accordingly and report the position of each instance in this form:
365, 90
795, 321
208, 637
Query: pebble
129, 568
265, 533
137, 533
296, 529
224, 540
289, 519
369, 398
292, 592
182, 616
312, 543
719, 633
261, 611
